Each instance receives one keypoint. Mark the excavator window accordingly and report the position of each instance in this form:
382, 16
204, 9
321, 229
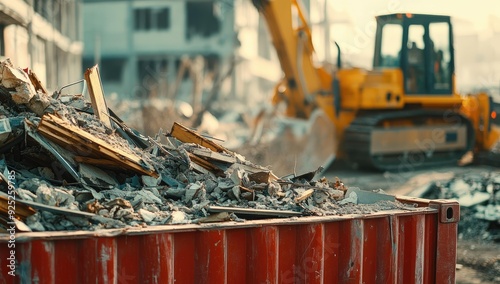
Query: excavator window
415, 79
391, 49
421, 47
441, 56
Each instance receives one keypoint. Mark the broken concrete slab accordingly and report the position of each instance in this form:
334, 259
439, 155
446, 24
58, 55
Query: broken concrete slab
16, 78
178, 217
489, 212
474, 198
94, 176
147, 216
352, 198
369, 197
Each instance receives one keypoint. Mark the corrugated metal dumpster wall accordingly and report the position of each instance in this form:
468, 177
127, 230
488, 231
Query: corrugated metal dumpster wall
385, 247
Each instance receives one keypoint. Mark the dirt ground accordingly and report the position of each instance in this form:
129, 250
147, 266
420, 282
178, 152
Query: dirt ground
478, 258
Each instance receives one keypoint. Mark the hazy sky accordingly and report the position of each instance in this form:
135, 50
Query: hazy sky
356, 38
475, 11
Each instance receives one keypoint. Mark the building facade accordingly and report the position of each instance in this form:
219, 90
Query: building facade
45, 36
143, 43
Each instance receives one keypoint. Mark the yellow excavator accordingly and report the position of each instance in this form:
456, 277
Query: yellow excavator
403, 114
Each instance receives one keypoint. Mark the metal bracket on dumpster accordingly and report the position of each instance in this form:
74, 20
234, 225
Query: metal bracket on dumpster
448, 210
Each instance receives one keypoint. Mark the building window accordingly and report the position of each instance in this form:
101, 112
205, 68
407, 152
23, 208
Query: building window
110, 68
201, 19
163, 19
146, 19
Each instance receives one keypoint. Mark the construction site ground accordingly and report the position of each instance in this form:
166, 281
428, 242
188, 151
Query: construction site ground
478, 260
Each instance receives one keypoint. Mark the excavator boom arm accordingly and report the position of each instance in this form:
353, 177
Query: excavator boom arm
291, 37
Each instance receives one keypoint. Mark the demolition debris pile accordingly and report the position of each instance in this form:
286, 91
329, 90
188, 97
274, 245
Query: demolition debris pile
479, 199
71, 164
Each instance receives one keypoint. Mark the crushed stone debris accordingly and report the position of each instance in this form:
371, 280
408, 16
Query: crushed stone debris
179, 194
479, 199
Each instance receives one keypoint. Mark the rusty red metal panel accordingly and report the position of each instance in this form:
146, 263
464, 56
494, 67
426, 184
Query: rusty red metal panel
411, 249
430, 249
156, 251
262, 251
5, 262
211, 257
394, 247
370, 244
350, 251
331, 248
446, 232
98, 260
66, 261
310, 253
236, 255
42, 261
184, 253
287, 257
129, 255
378, 251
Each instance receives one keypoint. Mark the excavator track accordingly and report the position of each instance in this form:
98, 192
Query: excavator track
408, 140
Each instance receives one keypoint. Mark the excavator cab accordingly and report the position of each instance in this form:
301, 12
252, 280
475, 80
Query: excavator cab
419, 45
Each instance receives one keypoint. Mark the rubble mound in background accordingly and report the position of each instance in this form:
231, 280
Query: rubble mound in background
479, 199
69, 171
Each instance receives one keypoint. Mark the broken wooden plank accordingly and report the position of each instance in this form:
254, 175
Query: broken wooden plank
304, 195
73, 137
262, 177
251, 211
10, 203
62, 155
206, 165
36, 82
19, 225
56, 210
96, 161
186, 135
96, 93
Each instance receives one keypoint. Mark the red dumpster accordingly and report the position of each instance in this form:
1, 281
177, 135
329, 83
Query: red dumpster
396, 246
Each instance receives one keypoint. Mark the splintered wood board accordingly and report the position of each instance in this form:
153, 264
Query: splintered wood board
22, 211
97, 95
206, 165
189, 136
36, 82
85, 144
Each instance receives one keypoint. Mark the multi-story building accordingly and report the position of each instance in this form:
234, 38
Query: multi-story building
139, 43
44, 35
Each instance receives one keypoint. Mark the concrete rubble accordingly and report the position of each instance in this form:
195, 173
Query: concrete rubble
70, 171
479, 199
